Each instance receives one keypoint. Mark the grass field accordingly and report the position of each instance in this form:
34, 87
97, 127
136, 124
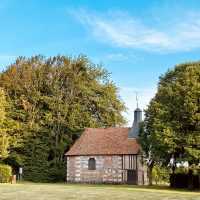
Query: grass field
30, 191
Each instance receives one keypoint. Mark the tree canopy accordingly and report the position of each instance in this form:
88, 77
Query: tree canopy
172, 123
3, 129
53, 100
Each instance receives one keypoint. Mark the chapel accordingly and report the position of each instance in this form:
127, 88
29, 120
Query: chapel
108, 155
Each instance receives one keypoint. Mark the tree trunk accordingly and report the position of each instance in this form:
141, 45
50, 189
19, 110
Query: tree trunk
190, 180
150, 168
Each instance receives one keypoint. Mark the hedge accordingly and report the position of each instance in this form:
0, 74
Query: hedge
5, 173
185, 181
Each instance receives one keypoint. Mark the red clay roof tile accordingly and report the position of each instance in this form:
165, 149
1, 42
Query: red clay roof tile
104, 141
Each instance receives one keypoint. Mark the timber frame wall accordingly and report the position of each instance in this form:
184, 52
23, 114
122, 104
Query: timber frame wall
109, 169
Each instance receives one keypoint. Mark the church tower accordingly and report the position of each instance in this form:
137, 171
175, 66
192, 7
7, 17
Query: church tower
134, 132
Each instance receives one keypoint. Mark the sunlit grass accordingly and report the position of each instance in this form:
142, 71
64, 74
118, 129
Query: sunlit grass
31, 191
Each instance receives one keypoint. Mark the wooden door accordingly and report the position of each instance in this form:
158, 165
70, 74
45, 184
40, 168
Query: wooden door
132, 177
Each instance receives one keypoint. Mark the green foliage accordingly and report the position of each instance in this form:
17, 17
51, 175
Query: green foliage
5, 173
8, 126
181, 170
57, 173
52, 100
160, 174
172, 123
15, 161
195, 169
4, 138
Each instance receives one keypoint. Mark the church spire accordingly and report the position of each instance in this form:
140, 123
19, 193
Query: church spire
137, 98
134, 132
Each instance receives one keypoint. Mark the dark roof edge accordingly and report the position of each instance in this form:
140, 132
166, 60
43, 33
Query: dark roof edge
103, 154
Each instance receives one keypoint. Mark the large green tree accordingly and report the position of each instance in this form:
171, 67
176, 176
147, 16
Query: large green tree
53, 100
172, 124
4, 139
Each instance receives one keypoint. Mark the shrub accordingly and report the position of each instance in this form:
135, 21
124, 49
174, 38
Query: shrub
5, 173
181, 170
190, 181
57, 173
160, 174
14, 161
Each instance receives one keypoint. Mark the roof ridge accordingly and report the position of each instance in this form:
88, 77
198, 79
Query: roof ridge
89, 128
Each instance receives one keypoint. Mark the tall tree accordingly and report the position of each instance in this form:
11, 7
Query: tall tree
172, 123
4, 139
54, 99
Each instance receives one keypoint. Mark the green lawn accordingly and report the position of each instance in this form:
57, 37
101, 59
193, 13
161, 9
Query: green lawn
30, 191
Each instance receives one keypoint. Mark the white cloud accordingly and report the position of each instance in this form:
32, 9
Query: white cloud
128, 95
123, 30
116, 57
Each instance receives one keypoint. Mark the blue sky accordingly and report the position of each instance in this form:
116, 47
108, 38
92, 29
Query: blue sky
136, 41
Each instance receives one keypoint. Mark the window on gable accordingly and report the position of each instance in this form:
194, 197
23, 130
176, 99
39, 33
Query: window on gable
92, 164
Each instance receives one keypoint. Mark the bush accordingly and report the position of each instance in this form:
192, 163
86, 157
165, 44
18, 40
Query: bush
14, 161
160, 175
185, 180
5, 173
57, 173
181, 170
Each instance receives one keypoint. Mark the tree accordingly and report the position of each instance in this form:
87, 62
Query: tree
160, 174
4, 139
172, 123
9, 130
145, 142
53, 100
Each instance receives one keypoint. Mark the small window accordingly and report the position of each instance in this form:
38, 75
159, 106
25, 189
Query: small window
91, 164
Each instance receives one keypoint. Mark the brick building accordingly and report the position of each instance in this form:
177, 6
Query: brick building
108, 155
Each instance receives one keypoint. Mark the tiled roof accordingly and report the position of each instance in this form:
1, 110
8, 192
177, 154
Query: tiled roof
104, 141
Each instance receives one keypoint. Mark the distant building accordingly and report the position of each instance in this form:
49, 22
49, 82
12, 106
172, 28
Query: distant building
108, 155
